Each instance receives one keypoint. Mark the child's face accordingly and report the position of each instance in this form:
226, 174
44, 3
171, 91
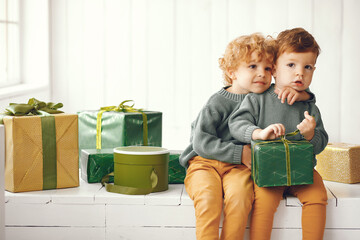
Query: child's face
295, 70
253, 76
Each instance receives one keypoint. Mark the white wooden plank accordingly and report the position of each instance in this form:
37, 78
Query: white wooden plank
169, 197
161, 56
241, 18
277, 11
149, 233
149, 216
134, 233
219, 41
161, 61
93, 54
71, 215
328, 22
336, 234
300, 14
2, 182
102, 196
350, 112
55, 233
59, 53
84, 194
182, 80
139, 52
185, 199
285, 234
75, 61
346, 213
200, 55
117, 62
29, 197
344, 191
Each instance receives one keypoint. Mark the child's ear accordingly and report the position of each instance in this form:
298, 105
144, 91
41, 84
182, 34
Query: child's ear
274, 72
230, 73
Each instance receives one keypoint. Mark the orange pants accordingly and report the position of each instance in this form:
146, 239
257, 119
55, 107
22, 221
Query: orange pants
312, 196
212, 184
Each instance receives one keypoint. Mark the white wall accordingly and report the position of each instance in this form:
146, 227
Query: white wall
163, 54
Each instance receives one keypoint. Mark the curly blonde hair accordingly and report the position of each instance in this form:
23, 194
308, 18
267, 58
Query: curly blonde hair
296, 40
240, 50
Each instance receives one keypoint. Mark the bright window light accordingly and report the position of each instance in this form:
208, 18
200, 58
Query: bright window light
9, 43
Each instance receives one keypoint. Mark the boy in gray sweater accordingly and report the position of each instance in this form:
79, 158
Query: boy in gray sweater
215, 175
263, 117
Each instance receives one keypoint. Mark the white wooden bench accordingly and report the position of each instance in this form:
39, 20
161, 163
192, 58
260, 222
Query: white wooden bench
89, 212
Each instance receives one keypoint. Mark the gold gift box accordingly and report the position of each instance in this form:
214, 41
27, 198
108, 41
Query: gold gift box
24, 152
340, 162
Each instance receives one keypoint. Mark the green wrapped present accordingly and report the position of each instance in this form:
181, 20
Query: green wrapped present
119, 126
282, 162
177, 172
96, 163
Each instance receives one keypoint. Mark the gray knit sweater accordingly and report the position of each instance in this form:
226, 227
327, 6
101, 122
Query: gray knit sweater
210, 137
262, 110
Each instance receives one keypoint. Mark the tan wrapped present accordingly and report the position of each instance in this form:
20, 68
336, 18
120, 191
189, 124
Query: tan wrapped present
340, 162
41, 152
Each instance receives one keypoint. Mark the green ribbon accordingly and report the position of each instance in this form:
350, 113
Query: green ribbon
33, 107
49, 152
286, 143
130, 190
121, 108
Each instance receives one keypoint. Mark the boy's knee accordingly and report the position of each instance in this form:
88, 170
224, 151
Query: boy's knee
316, 198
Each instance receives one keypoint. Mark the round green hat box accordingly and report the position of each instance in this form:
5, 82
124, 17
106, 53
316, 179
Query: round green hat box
133, 166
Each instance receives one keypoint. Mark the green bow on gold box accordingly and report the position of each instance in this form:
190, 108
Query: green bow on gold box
282, 162
117, 126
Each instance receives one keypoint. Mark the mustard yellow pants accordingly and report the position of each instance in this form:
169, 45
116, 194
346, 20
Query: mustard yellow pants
213, 184
314, 200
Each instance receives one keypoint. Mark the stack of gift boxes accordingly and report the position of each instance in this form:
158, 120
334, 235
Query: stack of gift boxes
43, 145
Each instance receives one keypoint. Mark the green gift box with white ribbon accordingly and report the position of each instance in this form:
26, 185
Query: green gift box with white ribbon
282, 162
117, 126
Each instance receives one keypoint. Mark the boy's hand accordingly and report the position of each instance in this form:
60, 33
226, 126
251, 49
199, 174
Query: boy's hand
291, 95
307, 126
246, 156
271, 132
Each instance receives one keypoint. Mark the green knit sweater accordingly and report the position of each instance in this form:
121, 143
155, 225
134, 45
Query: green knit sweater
210, 137
262, 110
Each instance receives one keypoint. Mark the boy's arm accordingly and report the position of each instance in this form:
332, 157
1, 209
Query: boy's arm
242, 122
206, 142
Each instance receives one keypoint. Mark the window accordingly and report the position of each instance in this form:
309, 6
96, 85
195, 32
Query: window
9, 43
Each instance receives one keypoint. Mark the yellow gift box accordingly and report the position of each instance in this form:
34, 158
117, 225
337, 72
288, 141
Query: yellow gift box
340, 162
29, 165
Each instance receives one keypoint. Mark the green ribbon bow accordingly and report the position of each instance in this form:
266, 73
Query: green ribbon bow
121, 108
33, 107
287, 152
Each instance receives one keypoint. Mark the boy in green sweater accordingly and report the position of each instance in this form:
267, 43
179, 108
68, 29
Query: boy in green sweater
215, 175
263, 117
